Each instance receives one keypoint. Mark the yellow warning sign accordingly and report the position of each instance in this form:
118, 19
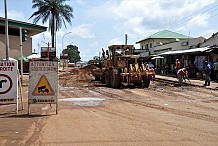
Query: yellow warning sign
43, 87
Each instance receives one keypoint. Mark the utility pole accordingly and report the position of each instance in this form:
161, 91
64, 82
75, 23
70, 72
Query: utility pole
48, 51
125, 39
21, 54
63, 47
6, 32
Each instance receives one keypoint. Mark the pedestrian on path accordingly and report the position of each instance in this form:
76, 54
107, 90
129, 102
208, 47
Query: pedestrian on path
177, 66
207, 71
215, 67
182, 74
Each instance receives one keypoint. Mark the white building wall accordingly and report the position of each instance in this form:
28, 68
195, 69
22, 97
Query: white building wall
181, 44
164, 45
150, 44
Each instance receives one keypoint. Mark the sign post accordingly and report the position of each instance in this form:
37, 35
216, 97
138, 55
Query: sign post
63, 58
43, 83
9, 83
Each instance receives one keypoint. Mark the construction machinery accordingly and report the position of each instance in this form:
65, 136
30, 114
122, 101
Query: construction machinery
120, 65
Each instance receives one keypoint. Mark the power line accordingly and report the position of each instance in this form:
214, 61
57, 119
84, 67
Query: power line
187, 18
191, 18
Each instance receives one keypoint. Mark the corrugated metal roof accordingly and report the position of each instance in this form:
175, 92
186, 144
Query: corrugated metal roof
165, 34
196, 50
32, 29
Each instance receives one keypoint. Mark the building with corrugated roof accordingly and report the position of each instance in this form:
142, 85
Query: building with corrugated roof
167, 40
172, 46
14, 37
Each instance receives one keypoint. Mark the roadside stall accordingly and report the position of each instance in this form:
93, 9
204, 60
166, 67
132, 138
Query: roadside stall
189, 58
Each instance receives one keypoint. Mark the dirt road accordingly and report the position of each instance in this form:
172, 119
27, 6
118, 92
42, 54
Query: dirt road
91, 114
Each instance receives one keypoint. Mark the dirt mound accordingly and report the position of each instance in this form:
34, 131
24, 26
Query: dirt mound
90, 67
75, 77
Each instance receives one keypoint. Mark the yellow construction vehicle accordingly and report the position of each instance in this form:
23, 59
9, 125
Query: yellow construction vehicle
120, 65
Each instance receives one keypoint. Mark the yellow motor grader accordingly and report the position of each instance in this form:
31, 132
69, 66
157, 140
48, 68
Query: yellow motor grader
120, 65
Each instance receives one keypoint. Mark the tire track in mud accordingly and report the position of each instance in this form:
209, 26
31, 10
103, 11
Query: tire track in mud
128, 98
168, 93
141, 119
193, 96
161, 126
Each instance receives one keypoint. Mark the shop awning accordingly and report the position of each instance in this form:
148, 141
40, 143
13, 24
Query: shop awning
157, 57
189, 51
33, 56
23, 58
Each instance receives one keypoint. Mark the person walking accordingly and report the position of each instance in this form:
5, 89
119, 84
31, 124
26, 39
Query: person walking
182, 74
207, 71
215, 67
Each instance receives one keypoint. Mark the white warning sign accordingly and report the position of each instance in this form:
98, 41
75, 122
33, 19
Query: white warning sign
43, 82
8, 82
43, 87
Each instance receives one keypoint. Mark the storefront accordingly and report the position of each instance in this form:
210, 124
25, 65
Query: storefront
191, 58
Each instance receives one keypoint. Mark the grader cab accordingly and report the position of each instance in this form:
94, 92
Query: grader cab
122, 66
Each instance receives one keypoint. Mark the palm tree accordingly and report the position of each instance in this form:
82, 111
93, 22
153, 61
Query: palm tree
56, 11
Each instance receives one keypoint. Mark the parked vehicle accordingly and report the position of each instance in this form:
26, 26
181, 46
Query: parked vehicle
71, 65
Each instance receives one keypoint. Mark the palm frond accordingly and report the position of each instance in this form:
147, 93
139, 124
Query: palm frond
54, 11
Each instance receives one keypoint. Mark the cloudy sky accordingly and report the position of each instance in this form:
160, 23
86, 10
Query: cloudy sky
100, 23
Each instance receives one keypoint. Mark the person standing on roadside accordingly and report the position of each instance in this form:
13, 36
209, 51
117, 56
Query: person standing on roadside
207, 71
215, 67
181, 74
178, 65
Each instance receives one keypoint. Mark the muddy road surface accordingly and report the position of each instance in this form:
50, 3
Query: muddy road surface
90, 114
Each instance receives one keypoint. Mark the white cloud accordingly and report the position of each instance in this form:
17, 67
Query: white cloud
200, 21
142, 15
81, 2
15, 15
115, 41
82, 31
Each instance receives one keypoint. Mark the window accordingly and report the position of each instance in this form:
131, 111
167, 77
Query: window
146, 46
150, 45
184, 43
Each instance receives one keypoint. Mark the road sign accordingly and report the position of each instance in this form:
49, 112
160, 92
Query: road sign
5, 83
48, 52
43, 87
43, 82
8, 82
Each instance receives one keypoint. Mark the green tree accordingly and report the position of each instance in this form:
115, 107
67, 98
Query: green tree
56, 11
73, 53
96, 58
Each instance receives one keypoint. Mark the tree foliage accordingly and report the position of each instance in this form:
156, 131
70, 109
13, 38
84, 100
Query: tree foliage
73, 53
56, 11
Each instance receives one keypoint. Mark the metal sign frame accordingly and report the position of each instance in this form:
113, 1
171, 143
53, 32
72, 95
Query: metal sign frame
43, 83
9, 83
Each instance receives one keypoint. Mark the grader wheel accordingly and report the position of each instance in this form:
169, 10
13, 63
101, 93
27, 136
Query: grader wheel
115, 79
102, 79
97, 78
107, 78
146, 81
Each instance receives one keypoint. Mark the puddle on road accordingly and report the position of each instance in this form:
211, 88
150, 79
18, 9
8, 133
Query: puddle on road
86, 101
